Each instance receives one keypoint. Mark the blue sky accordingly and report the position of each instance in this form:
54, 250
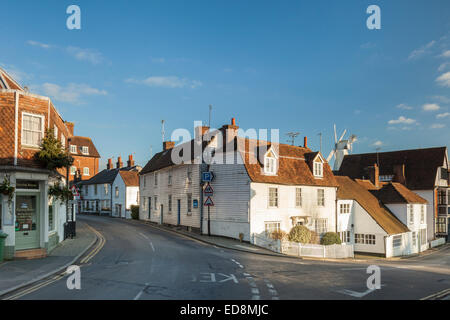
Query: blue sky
291, 65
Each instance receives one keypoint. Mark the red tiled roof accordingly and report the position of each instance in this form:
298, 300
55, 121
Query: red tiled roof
131, 178
84, 142
351, 190
7, 82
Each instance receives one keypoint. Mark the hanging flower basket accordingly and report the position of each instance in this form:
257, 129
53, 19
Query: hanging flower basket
59, 192
7, 189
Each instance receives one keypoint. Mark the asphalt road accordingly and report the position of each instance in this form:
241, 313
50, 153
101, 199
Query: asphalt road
140, 262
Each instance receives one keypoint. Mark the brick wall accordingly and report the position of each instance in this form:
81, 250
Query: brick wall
82, 161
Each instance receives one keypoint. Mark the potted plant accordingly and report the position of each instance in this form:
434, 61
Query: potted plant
7, 189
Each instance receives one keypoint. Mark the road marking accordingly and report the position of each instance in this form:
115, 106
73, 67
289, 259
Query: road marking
141, 292
255, 291
438, 295
357, 294
149, 241
61, 275
272, 290
238, 263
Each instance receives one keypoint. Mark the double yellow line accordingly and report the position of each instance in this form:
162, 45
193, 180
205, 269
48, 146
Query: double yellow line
439, 295
61, 275
97, 248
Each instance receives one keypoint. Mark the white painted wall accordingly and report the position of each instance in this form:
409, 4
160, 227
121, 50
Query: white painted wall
429, 196
260, 212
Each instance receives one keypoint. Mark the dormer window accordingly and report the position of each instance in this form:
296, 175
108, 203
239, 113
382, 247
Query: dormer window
270, 163
318, 169
73, 148
85, 150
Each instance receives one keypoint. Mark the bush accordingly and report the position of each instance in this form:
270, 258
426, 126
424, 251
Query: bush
300, 234
279, 235
135, 212
330, 238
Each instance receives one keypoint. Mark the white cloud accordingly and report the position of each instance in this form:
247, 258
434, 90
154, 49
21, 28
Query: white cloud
437, 126
444, 80
443, 115
167, 82
446, 54
402, 120
404, 106
39, 44
444, 66
430, 107
377, 143
72, 93
421, 51
91, 55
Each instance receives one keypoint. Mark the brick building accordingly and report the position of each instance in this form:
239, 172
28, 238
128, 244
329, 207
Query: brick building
33, 222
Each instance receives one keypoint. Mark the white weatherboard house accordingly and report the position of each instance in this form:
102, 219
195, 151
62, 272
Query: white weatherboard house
253, 195
424, 171
374, 219
116, 188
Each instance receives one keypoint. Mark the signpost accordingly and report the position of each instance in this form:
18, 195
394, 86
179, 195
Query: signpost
208, 192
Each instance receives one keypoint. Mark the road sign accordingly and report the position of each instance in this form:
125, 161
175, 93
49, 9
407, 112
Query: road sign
207, 176
208, 190
209, 202
75, 191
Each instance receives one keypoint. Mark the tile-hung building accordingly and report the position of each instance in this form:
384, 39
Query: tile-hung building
31, 220
85, 156
388, 221
424, 171
112, 188
285, 186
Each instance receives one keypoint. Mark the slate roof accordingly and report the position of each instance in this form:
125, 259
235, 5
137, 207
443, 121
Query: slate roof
84, 142
421, 165
351, 190
108, 176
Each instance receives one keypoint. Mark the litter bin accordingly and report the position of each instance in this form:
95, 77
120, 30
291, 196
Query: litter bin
3, 236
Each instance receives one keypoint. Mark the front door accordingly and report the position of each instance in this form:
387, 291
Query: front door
179, 211
27, 222
149, 208
162, 214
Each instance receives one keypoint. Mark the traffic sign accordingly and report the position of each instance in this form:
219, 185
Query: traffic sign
75, 191
208, 190
208, 202
207, 176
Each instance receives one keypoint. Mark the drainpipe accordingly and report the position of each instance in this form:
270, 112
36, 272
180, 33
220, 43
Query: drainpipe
16, 128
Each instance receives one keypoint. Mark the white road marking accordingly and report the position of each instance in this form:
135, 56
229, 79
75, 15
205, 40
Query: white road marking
255, 291
153, 248
141, 292
357, 294
149, 241
256, 297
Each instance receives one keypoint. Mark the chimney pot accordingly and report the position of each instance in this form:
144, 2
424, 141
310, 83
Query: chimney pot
119, 162
130, 162
109, 166
233, 121
305, 142
167, 145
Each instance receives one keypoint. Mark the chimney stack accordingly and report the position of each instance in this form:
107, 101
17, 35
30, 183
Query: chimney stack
167, 145
119, 162
70, 127
374, 175
130, 162
200, 131
305, 142
231, 131
399, 173
109, 166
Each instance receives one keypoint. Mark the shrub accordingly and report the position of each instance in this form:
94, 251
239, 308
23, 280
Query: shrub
279, 235
300, 234
135, 212
330, 238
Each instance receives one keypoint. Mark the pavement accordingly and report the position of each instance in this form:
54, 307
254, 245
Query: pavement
138, 262
20, 273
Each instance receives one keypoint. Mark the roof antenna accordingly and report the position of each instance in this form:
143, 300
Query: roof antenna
210, 110
292, 135
378, 157
162, 130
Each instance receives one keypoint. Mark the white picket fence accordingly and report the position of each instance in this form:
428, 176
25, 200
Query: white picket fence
335, 251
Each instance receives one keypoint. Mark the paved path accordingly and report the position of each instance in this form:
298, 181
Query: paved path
16, 273
141, 262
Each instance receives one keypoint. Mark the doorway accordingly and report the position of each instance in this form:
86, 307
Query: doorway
27, 222
162, 214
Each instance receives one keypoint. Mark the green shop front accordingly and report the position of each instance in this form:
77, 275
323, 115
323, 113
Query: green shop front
32, 221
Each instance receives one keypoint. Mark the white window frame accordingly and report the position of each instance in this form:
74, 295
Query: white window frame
73, 170
410, 209
189, 203
63, 141
42, 129
321, 225
169, 203
271, 226
422, 213
106, 188
73, 148
321, 197
189, 174
318, 169
55, 131
270, 165
116, 192
85, 150
397, 241
273, 203
298, 197
344, 208
85, 171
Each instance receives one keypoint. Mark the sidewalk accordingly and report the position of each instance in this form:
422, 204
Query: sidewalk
19, 273
221, 242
